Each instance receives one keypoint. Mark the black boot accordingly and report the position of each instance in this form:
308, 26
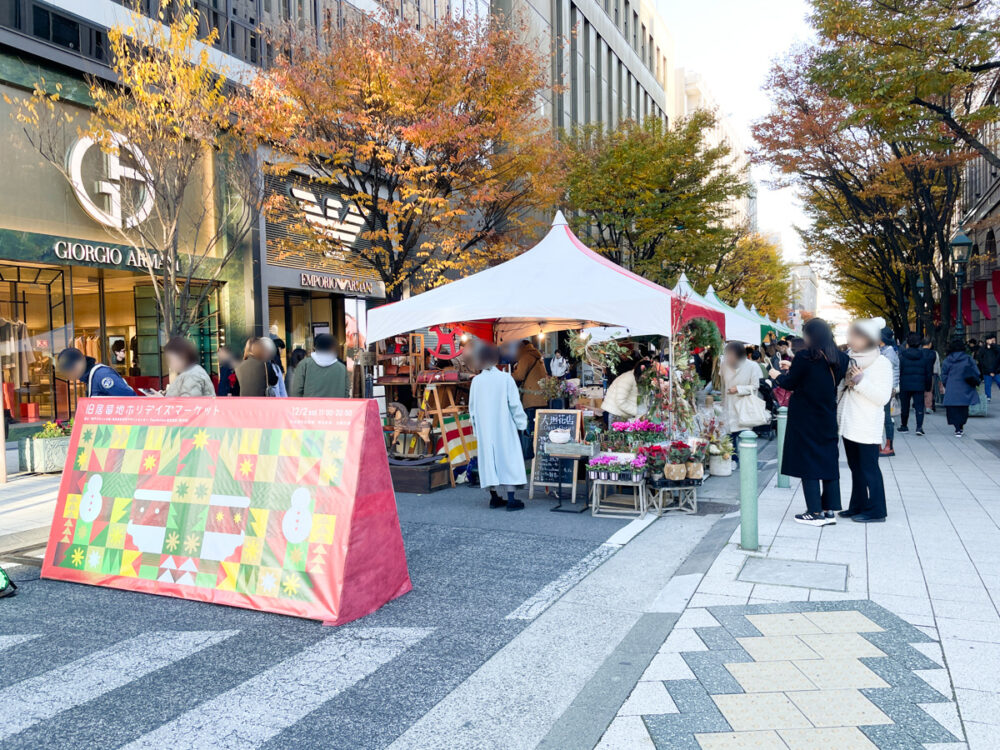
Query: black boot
496, 501
513, 504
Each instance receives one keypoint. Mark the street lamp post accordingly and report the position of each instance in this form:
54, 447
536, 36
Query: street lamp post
920, 313
960, 247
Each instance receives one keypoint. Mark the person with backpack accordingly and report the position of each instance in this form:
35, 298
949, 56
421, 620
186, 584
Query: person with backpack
960, 377
810, 450
916, 374
888, 350
99, 379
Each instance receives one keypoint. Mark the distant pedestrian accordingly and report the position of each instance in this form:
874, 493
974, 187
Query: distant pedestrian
868, 387
188, 377
527, 371
321, 374
989, 364
98, 379
294, 358
810, 450
497, 415
930, 398
271, 344
959, 379
256, 375
916, 375
227, 372
888, 350
621, 401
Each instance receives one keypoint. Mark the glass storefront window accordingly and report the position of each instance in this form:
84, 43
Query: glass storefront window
33, 330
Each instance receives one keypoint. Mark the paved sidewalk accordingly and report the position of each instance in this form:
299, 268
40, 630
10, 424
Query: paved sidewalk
888, 636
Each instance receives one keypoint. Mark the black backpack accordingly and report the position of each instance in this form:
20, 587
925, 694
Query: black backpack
7, 586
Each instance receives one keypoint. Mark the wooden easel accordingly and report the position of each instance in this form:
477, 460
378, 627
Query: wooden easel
439, 401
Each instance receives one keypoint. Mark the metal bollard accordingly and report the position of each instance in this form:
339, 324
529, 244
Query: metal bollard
782, 424
748, 491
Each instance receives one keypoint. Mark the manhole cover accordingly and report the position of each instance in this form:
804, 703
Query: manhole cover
807, 575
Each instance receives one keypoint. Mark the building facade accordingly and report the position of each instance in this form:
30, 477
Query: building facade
804, 290
694, 94
611, 59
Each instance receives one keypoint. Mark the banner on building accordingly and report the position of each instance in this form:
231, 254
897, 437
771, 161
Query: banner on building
282, 505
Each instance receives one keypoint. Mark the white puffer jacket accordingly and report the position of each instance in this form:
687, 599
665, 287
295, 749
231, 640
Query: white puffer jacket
861, 410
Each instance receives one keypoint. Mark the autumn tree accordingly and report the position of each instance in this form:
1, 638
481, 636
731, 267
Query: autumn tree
881, 199
433, 135
753, 271
655, 199
193, 188
908, 64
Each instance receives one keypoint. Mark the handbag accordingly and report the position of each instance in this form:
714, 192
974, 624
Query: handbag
971, 375
751, 411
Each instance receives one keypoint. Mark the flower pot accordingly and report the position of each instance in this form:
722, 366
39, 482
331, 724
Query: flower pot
719, 466
43, 455
603, 474
591, 475
557, 403
637, 476
695, 469
675, 472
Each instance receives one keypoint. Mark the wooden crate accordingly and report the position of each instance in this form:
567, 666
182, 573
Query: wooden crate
420, 479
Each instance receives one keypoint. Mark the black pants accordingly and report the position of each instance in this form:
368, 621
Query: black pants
957, 416
828, 499
917, 399
867, 487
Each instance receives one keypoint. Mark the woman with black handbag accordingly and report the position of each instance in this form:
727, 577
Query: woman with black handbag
960, 377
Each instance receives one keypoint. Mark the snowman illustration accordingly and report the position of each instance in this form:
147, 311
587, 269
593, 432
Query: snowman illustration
297, 521
91, 502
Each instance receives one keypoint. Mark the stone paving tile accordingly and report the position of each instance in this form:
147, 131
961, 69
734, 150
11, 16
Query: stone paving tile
768, 740
868, 696
779, 648
831, 738
648, 697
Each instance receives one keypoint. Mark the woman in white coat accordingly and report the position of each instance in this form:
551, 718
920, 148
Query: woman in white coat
497, 415
866, 390
744, 408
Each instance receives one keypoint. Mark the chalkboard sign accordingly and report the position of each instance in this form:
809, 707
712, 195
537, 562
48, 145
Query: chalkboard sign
546, 470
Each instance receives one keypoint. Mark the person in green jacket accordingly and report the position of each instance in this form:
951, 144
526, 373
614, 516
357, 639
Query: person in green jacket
321, 374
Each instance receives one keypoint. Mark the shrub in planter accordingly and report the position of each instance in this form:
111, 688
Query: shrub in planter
720, 457
46, 451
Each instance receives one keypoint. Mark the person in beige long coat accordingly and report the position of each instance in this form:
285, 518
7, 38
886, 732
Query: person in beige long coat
740, 380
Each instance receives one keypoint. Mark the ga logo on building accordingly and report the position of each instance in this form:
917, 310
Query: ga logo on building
115, 194
330, 216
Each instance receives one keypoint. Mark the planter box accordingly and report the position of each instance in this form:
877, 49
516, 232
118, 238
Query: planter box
719, 466
43, 455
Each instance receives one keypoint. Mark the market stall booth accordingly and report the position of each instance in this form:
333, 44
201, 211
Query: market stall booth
559, 284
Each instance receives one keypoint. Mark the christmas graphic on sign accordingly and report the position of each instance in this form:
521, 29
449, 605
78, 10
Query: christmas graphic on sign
252, 503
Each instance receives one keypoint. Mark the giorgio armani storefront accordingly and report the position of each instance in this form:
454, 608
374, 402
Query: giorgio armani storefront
65, 281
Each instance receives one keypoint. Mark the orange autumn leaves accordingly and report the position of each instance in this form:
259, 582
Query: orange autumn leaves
436, 135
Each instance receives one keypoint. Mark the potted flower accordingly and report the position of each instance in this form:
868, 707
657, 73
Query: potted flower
696, 463
597, 467
656, 459
45, 452
678, 454
638, 466
720, 457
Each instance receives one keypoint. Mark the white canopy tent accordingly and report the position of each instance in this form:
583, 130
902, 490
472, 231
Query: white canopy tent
740, 325
558, 284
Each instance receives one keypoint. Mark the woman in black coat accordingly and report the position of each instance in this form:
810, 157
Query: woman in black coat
811, 438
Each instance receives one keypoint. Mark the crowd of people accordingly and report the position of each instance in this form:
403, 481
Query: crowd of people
259, 374
846, 394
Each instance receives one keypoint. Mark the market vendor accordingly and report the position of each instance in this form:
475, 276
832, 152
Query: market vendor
622, 401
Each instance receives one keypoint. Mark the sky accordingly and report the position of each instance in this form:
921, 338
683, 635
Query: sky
732, 44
